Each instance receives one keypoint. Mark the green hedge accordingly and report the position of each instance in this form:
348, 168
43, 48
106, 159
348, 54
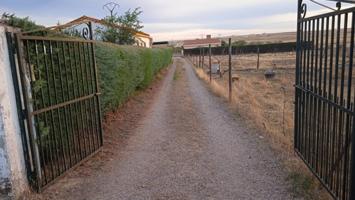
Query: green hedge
124, 69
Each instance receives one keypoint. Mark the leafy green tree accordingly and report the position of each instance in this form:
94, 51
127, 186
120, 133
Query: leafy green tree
122, 28
111, 32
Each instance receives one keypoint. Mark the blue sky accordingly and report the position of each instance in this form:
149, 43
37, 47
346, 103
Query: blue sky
178, 19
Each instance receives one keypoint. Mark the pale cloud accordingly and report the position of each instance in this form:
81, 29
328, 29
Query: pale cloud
269, 24
282, 22
171, 9
173, 26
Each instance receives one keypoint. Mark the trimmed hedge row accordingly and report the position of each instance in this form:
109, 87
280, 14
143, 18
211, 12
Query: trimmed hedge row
124, 69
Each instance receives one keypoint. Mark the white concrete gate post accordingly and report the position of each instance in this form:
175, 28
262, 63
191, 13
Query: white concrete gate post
13, 179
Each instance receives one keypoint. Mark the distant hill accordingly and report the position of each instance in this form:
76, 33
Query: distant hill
265, 38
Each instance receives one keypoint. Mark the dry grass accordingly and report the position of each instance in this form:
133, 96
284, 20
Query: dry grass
267, 61
266, 37
268, 104
263, 101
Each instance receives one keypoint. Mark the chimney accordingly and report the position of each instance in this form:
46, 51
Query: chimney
208, 36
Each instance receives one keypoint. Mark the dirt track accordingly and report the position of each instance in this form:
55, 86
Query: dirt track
188, 146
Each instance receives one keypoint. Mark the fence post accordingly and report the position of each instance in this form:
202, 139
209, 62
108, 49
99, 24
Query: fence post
230, 68
203, 57
257, 66
210, 61
199, 59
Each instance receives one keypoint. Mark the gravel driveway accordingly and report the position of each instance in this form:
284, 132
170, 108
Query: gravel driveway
189, 146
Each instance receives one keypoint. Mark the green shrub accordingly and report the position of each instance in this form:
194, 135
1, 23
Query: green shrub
24, 23
124, 69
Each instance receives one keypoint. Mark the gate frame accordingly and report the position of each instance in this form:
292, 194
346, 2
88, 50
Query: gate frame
26, 114
301, 12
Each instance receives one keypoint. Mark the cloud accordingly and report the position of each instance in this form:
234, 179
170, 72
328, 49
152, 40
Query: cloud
167, 19
167, 27
176, 31
172, 10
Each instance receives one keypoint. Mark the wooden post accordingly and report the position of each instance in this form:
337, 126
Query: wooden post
210, 61
203, 57
258, 64
230, 68
199, 58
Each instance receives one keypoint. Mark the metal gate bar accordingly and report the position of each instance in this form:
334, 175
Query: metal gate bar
60, 86
324, 102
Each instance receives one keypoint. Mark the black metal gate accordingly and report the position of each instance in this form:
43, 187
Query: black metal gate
325, 96
59, 91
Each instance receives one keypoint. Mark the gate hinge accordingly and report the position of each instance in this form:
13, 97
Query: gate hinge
14, 49
24, 114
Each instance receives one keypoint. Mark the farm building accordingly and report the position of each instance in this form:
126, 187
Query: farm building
141, 38
191, 44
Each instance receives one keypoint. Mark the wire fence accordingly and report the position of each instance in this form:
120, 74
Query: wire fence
258, 80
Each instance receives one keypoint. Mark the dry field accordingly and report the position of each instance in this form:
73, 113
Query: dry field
269, 102
266, 37
249, 61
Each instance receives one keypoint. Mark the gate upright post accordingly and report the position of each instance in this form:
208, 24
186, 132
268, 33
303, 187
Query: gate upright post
230, 68
298, 48
196, 60
199, 58
257, 66
203, 57
210, 62
352, 166
27, 96
98, 93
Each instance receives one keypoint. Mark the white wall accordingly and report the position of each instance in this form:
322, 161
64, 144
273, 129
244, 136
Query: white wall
13, 179
147, 41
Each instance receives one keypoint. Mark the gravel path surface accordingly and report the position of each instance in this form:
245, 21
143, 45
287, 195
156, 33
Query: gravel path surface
189, 146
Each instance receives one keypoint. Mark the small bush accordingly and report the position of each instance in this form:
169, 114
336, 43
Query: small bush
124, 69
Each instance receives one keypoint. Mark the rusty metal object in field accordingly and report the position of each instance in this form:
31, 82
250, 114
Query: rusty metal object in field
269, 74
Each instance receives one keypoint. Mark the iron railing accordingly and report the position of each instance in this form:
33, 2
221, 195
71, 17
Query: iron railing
60, 91
324, 102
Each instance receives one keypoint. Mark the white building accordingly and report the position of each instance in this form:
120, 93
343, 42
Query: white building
142, 39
